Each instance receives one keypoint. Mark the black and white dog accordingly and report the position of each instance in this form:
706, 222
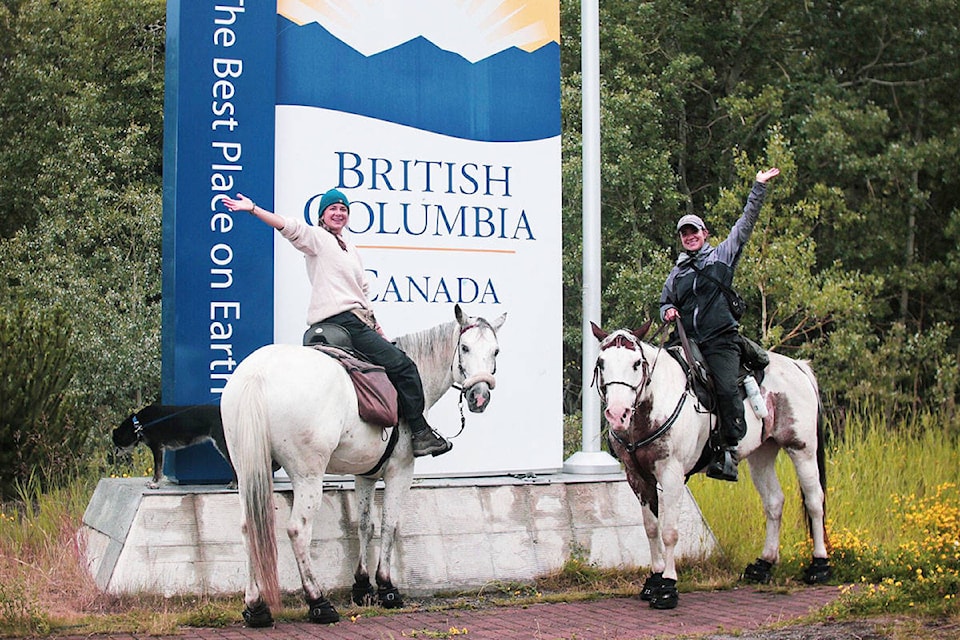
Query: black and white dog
162, 427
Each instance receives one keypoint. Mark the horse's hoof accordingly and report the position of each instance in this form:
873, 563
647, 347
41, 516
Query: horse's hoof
322, 611
665, 596
363, 594
258, 616
760, 571
389, 598
652, 583
818, 572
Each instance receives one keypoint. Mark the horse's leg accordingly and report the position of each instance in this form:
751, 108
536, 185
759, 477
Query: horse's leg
652, 528
307, 497
363, 593
397, 483
807, 465
672, 487
763, 472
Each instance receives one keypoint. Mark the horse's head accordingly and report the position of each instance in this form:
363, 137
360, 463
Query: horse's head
621, 373
475, 362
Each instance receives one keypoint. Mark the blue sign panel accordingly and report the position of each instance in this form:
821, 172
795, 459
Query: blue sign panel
218, 133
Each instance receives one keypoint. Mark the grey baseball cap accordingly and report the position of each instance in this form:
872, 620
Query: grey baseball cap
692, 221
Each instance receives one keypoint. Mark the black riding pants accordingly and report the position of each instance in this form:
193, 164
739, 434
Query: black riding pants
400, 369
723, 359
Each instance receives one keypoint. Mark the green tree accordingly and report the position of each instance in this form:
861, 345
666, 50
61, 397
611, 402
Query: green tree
855, 101
87, 167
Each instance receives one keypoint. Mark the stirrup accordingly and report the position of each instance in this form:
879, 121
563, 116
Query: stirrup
724, 468
432, 443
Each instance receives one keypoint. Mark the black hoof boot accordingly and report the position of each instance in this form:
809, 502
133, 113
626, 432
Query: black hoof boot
258, 616
322, 611
666, 595
652, 583
363, 594
760, 571
389, 597
818, 572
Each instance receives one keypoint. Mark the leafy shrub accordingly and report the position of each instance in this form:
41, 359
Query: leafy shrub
38, 442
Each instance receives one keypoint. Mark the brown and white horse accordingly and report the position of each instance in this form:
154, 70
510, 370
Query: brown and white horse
658, 429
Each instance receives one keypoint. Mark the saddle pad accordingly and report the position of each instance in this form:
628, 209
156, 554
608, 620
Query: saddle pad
376, 395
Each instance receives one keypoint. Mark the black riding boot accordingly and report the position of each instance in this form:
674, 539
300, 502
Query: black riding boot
724, 463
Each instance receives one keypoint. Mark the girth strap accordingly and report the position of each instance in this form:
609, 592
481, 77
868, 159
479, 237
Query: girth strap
391, 445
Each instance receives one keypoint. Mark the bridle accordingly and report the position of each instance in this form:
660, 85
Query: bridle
625, 341
621, 341
468, 383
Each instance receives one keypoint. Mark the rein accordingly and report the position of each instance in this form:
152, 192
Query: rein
666, 426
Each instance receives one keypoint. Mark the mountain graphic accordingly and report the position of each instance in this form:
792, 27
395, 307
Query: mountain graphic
512, 96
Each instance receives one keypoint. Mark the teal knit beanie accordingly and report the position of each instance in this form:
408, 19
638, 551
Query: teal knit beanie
333, 197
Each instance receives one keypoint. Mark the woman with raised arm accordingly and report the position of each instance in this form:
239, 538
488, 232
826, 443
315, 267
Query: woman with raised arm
695, 294
339, 294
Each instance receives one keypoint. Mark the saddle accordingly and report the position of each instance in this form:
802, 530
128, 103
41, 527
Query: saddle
328, 333
376, 395
753, 361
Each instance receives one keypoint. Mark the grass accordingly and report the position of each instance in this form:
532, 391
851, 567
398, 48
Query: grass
893, 519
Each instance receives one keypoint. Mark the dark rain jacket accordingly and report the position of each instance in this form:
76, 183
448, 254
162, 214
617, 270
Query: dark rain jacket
703, 307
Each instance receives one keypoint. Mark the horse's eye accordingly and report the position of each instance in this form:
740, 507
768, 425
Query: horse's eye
496, 352
464, 348
636, 364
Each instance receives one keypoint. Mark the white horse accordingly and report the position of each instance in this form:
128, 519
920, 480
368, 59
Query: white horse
659, 431
296, 407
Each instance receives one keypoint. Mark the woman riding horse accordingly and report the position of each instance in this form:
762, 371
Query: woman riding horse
696, 293
339, 295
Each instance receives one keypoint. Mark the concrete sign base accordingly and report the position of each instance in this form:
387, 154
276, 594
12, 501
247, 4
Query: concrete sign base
456, 534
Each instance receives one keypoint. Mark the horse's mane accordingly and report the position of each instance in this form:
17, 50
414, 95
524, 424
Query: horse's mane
430, 348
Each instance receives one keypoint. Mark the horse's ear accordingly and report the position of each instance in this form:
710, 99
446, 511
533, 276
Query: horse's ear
462, 318
642, 331
598, 333
496, 324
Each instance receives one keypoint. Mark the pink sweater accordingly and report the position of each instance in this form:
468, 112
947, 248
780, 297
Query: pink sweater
338, 282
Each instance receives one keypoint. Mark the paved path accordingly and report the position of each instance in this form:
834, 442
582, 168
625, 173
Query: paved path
743, 609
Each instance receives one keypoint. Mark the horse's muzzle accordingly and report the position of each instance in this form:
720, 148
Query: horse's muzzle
477, 392
618, 417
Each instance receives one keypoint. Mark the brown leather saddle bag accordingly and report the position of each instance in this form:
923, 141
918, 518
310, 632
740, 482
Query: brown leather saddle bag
376, 395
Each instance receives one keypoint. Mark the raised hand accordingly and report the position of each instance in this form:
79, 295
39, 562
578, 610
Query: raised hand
763, 176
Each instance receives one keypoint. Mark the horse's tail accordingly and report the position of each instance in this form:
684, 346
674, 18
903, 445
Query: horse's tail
253, 463
821, 448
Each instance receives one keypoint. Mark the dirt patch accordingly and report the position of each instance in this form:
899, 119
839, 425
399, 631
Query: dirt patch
885, 628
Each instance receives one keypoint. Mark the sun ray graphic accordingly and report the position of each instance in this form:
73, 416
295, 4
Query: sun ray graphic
474, 29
